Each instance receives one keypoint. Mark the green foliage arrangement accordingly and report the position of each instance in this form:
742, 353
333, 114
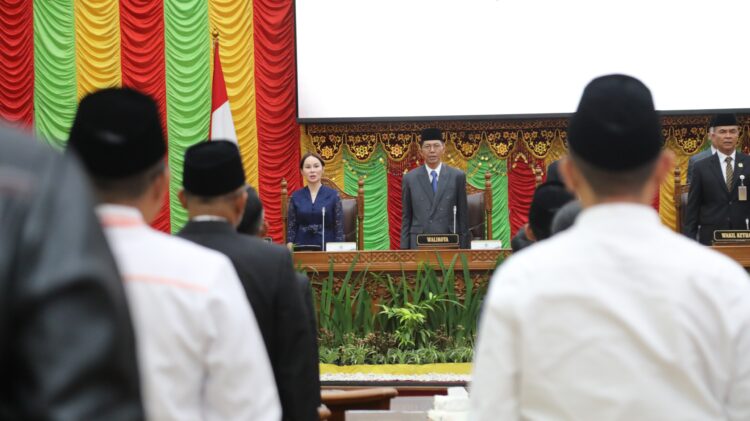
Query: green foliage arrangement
423, 321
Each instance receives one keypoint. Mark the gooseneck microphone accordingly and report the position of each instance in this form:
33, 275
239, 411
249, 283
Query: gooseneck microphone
323, 239
454, 219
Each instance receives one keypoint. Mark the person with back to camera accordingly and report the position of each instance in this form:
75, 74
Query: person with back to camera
200, 352
618, 317
306, 207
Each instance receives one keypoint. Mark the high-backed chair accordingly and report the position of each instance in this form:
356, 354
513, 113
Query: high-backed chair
353, 207
479, 218
681, 192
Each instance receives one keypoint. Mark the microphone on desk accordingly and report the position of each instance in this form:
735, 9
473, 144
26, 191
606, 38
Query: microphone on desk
323, 239
747, 224
454, 219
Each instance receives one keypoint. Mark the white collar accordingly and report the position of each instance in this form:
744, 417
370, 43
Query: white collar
618, 217
722, 157
204, 218
112, 215
437, 170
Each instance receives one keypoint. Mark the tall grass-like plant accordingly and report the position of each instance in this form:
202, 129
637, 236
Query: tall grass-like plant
424, 312
348, 310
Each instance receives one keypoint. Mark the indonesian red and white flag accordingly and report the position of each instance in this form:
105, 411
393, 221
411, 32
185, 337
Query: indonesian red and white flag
222, 124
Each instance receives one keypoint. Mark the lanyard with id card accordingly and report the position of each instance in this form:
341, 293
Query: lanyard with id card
742, 190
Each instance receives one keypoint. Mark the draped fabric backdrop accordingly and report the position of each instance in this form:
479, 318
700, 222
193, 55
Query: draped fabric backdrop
55, 52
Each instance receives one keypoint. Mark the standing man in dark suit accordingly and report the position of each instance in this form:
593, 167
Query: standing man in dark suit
715, 201
214, 195
430, 194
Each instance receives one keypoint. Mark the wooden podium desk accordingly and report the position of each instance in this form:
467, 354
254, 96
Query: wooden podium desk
739, 253
396, 260
409, 260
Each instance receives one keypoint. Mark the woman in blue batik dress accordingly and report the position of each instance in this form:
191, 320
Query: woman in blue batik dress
305, 214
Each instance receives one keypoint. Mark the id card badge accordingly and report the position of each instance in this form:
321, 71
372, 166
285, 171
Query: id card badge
742, 190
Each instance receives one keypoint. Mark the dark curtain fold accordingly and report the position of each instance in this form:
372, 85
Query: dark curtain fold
17, 58
278, 131
143, 68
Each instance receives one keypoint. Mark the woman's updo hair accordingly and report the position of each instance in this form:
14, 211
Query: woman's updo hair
309, 154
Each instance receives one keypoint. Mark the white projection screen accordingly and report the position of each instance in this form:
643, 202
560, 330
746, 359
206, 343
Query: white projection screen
370, 60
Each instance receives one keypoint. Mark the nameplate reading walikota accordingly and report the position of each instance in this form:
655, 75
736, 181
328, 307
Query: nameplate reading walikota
437, 240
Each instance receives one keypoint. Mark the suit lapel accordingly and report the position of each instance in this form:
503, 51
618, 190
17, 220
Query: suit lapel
423, 179
444, 181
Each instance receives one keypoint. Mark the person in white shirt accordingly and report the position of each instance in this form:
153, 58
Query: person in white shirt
201, 355
618, 317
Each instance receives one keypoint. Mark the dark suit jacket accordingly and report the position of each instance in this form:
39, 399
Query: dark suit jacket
695, 158
710, 206
425, 212
273, 290
67, 347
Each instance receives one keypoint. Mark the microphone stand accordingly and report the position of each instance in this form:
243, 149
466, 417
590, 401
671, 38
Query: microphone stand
454, 219
323, 239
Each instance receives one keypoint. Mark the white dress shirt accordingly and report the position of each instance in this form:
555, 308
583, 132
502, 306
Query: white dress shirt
430, 170
201, 354
617, 318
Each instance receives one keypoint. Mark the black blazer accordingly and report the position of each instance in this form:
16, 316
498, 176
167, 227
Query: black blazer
274, 293
425, 212
710, 205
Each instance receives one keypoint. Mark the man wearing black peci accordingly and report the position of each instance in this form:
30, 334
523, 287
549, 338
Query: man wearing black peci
214, 195
716, 200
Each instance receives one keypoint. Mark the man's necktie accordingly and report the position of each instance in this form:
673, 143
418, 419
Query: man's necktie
434, 181
730, 172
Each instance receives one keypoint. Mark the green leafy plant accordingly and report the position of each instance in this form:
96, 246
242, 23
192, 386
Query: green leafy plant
417, 319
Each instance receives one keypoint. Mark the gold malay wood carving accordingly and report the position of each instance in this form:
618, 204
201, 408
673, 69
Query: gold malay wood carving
544, 139
395, 260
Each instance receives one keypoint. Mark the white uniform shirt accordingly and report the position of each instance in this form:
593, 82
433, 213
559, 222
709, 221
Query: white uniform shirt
617, 318
201, 355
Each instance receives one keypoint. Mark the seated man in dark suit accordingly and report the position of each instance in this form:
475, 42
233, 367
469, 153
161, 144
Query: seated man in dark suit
430, 193
214, 195
715, 201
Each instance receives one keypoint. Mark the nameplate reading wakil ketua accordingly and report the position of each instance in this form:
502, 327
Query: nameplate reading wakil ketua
437, 241
731, 236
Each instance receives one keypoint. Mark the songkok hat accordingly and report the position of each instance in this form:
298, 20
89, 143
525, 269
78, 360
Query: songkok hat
117, 133
725, 119
213, 168
548, 198
616, 127
431, 133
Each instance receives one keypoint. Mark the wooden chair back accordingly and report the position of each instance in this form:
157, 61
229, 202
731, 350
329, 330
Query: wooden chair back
680, 197
479, 218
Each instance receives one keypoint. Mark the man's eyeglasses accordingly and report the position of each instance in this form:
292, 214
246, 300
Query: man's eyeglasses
432, 147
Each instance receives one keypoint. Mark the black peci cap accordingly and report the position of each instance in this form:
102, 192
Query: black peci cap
431, 133
213, 168
117, 133
616, 127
